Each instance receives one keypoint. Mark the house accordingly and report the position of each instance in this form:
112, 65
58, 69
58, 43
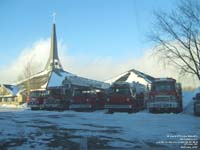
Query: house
11, 94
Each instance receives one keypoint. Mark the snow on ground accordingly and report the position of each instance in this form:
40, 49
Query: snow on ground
9, 107
26, 129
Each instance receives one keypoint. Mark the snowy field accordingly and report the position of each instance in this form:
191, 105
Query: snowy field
21, 129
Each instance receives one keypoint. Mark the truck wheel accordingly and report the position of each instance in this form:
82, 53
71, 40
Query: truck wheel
110, 111
195, 111
179, 110
152, 110
33, 108
176, 111
130, 111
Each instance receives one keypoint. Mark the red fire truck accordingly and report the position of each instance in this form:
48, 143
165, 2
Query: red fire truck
87, 99
197, 104
123, 96
165, 96
36, 99
58, 98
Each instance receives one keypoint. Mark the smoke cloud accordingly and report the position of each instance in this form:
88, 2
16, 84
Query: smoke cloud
98, 68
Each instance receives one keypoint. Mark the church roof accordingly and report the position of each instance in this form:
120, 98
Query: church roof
57, 77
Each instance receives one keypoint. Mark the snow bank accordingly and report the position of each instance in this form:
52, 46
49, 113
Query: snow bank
9, 107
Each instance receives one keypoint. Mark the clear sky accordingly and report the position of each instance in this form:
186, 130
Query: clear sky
115, 28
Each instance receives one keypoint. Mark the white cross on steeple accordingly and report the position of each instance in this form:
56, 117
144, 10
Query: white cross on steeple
54, 17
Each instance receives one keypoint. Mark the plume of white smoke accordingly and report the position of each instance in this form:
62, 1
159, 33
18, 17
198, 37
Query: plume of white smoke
99, 68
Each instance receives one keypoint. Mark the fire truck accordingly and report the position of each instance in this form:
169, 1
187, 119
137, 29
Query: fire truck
197, 104
165, 96
58, 98
36, 99
125, 97
87, 99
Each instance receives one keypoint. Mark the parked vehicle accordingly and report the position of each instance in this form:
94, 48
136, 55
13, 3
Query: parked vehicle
36, 99
87, 99
58, 98
123, 96
197, 104
165, 96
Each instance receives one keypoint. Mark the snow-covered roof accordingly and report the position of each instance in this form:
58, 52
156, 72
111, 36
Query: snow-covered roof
81, 81
12, 89
132, 76
57, 77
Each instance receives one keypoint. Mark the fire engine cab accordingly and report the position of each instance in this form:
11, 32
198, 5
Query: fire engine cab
87, 99
165, 96
125, 97
36, 99
58, 98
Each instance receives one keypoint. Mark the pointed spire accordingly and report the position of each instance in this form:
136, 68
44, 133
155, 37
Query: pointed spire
53, 61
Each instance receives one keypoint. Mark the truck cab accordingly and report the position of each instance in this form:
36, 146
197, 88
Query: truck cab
165, 96
58, 98
36, 99
87, 99
197, 104
124, 97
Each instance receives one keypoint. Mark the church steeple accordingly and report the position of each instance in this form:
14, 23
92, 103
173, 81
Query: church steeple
53, 61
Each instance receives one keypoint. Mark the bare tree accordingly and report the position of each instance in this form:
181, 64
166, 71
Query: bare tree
177, 35
30, 68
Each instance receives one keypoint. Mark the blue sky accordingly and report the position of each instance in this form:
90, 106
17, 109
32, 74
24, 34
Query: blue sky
114, 28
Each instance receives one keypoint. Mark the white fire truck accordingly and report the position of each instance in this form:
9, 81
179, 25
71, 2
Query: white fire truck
165, 96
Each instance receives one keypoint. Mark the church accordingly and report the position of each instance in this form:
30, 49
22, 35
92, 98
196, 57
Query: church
53, 75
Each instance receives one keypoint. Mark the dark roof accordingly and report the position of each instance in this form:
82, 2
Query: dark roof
13, 89
36, 82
